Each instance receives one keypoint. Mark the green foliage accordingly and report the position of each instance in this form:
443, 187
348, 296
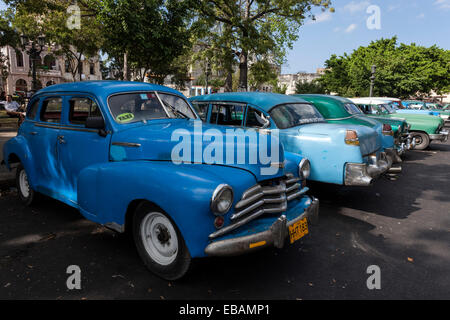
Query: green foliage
154, 33
255, 30
402, 70
313, 87
261, 72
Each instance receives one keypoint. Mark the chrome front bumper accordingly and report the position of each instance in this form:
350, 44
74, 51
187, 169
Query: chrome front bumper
363, 174
274, 236
441, 136
408, 143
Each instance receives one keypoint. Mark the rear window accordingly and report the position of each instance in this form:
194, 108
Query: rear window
295, 114
352, 108
32, 110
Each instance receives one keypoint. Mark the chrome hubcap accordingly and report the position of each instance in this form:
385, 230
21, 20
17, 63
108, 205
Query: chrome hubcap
23, 184
159, 238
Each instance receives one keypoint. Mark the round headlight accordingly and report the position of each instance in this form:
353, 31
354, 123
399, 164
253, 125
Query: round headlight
222, 199
304, 169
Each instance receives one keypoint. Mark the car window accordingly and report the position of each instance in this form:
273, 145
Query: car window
227, 114
351, 108
174, 102
294, 114
255, 118
51, 110
80, 108
32, 110
201, 109
365, 108
142, 106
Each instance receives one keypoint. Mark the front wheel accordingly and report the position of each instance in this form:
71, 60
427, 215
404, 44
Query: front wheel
422, 140
159, 243
26, 194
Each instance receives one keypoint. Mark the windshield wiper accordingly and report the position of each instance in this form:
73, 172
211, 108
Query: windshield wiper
175, 110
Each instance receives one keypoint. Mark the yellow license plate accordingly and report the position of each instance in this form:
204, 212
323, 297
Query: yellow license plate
298, 230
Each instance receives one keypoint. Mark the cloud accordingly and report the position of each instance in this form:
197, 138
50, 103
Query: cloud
421, 16
442, 4
351, 28
355, 6
321, 17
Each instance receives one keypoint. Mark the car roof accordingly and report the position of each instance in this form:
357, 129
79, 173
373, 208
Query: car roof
105, 87
329, 106
264, 100
370, 100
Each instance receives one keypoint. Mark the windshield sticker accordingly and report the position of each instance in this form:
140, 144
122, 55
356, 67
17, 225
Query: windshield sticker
144, 96
125, 117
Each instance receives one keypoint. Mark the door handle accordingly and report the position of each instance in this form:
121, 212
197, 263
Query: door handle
61, 139
33, 133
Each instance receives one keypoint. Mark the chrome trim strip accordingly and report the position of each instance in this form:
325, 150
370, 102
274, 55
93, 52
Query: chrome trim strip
62, 127
126, 144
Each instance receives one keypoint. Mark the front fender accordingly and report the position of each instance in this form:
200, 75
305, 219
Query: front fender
19, 146
183, 191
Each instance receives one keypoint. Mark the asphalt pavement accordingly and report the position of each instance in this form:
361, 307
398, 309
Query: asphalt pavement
401, 225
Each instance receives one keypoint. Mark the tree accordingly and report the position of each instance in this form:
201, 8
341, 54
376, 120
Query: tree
151, 34
313, 87
258, 29
49, 18
402, 70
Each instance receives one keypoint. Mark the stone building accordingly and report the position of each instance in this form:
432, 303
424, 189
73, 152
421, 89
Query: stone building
290, 80
51, 69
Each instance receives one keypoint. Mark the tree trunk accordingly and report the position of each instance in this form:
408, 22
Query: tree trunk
229, 81
243, 70
125, 67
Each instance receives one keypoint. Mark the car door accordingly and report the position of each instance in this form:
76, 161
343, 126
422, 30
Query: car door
78, 146
42, 134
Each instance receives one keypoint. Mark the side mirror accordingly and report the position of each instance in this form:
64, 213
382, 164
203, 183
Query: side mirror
96, 123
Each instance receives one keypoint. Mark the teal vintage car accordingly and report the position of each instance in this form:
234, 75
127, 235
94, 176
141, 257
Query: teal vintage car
372, 107
342, 154
424, 128
343, 111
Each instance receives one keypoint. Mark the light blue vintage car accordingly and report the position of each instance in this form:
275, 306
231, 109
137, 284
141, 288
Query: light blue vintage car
342, 154
106, 148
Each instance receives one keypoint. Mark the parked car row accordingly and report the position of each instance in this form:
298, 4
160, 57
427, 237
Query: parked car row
107, 148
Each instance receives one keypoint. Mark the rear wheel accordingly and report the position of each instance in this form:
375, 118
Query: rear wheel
422, 140
159, 242
26, 195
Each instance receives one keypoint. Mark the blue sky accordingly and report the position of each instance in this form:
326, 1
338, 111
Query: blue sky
425, 22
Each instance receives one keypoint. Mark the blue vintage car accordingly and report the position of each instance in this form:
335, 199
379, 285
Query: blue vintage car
106, 148
339, 154
415, 107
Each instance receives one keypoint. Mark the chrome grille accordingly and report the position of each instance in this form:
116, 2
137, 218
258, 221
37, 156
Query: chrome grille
267, 197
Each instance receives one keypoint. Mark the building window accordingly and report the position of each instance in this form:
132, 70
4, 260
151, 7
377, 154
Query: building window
21, 86
19, 59
50, 62
91, 68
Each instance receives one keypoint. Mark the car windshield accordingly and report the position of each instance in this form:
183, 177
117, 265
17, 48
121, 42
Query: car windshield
389, 108
142, 106
295, 114
352, 108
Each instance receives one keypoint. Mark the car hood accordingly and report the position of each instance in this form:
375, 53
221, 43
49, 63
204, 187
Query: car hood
179, 140
368, 138
422, 118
